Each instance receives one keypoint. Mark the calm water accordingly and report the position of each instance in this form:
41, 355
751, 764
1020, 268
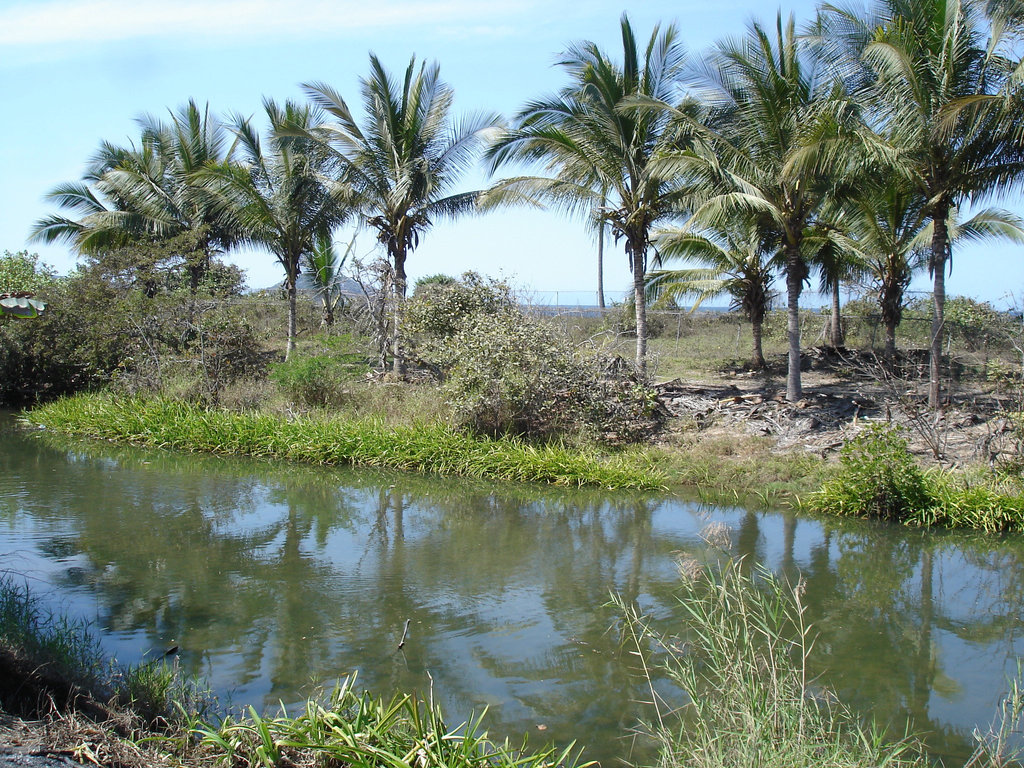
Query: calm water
273, 579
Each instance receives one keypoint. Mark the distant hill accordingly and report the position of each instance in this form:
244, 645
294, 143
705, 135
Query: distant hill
305, 287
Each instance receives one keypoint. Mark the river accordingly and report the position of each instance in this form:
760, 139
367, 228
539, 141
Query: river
274, 579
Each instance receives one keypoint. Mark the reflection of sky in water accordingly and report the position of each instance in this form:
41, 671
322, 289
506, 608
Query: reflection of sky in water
273, 578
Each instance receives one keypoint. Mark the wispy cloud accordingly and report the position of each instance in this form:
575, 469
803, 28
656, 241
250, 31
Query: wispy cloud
105, 21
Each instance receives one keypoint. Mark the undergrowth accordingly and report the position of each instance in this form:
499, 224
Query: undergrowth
362, 731
49, 648
878, 477
332, 440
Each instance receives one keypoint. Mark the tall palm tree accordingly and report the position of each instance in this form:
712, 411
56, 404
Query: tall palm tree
739, 261
925, 58
274, 194
137, 194
404, 161
595, 143
767, 107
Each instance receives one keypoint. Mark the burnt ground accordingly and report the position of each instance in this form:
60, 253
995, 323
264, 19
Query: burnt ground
843, 392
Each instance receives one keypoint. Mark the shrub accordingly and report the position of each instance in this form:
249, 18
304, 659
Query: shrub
507, 372
319, 380
441, 304
877, 477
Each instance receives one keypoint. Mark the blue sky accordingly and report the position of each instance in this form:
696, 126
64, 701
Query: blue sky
75, 72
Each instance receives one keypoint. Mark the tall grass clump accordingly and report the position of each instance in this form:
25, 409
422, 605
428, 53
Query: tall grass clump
742, 662
52, 642
45, 655
362, 731
332, 440
878, 477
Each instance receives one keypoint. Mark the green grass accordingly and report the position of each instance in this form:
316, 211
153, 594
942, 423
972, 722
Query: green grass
742, 662
329, 440
361, 731
53, 647
742, 468
877, 477
48, 640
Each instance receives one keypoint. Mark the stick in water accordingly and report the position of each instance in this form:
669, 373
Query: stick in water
401, 643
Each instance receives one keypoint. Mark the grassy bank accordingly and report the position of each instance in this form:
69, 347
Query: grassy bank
331, 440
45, 656
878, 477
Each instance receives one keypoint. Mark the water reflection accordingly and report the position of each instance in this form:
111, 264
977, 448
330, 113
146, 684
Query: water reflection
272, 578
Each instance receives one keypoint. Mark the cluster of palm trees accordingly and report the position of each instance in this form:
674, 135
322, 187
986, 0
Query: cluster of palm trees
286, 191
847, 147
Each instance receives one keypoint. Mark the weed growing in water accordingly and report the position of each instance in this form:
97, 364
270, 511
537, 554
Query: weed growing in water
742, 663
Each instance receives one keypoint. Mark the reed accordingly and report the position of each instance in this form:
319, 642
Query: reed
331, 440
742, 663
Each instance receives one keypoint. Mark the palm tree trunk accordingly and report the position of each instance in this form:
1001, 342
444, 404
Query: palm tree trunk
398, 356
890, 301
640, 304
795, 270
940, 249
289, 286
890, 339
756, 327
836, 331
600, 266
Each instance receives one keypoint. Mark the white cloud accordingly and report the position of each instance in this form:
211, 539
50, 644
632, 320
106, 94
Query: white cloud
103, 21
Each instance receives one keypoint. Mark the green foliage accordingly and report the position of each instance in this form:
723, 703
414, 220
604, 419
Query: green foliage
877, 477
440, 279
441, 304
23, 272
319, 381
362, 731
326, 440
66, 648
742, 660
98, 331
68, 653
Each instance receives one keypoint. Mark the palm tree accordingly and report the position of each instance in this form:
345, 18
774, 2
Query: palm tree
274, 194
739, 261
597, 144
404, 162
766, 110
137, 194
325, 268
926, 59
883, 222
827, 252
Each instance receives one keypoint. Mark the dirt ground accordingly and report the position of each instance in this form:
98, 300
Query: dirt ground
843, 392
